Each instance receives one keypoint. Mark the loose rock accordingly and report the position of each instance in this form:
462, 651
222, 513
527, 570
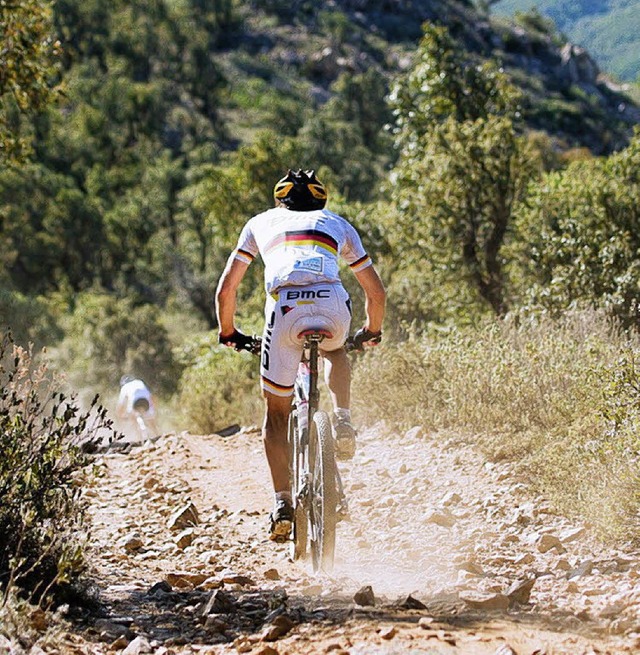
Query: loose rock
585, 568
138, 646
441, 519
185, 538
484, 600
185, 517
388, 633
219, 602
520, 591
365, 596
279, 627
547, 542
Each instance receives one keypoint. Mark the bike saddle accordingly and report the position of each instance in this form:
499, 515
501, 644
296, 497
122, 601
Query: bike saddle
308, 333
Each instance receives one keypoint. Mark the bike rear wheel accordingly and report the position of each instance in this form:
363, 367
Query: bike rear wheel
323, 493
143, 431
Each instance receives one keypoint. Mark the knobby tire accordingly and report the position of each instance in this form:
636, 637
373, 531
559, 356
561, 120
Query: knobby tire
324, 495
299, 543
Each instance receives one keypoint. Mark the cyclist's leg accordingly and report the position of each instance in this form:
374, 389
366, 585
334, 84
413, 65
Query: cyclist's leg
274, 433
337, 375
279, 363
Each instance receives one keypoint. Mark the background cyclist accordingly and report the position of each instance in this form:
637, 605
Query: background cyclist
300, 242
136, 398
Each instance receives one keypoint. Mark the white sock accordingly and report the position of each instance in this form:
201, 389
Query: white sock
343, 414
284, 495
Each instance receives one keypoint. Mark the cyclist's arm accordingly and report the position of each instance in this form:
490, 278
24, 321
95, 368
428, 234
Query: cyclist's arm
375, 297
226, 293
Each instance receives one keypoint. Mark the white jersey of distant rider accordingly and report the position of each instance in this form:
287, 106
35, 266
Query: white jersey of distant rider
301, 248
133, 391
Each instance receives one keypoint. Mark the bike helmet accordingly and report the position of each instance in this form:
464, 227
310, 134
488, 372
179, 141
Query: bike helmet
300, 191
125, 379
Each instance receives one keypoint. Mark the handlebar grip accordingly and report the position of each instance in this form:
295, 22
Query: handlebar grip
254, 346
350, 345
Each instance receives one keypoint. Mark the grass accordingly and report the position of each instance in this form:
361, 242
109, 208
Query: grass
561, 398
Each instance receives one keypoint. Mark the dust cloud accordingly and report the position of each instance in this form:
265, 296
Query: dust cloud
406, 499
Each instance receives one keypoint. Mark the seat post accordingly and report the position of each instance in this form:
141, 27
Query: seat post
314, 394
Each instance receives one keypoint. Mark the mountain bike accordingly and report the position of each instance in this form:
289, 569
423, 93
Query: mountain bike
316, 486
143, 430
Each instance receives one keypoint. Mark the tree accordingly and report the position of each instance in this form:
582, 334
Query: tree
28, 74
462, 167
581, 233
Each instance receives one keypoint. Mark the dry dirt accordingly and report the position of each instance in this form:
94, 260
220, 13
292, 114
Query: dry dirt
459, 557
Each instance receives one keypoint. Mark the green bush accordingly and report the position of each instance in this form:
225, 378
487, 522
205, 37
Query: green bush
578, 236
218, 387
28, 318
41, 509
108, 337
559, 397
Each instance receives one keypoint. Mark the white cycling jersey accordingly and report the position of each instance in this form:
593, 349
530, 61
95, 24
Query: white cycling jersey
301, 248
131, 393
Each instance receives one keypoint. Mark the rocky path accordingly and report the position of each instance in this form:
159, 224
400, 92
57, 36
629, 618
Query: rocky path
444, 554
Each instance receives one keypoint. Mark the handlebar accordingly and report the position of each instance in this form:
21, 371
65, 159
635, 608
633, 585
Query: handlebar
255, 345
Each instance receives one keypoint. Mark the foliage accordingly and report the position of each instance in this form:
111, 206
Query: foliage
529, 390
41, 510
29, 319
461, 169
108, 337
218, 387
579, 236
28, 75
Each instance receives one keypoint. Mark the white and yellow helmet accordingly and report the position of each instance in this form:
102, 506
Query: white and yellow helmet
300, 191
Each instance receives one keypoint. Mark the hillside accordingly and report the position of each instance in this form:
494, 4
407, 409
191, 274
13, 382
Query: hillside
609, 30
173, 110
312, 48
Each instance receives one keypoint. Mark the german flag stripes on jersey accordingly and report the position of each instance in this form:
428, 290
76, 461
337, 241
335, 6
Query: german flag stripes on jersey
303, 238
301, 248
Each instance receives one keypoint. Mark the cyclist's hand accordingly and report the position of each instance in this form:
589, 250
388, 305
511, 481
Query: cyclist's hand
365, 337
236, 340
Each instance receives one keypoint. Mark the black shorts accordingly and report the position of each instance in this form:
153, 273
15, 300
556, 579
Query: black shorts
141, 405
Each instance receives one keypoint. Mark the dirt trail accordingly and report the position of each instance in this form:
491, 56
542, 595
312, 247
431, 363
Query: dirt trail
452, 548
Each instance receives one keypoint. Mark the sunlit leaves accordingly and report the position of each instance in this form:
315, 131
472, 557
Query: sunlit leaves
582, 228
462, 166
28, 71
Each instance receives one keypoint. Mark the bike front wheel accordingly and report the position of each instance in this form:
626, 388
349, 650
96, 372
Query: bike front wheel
323, 493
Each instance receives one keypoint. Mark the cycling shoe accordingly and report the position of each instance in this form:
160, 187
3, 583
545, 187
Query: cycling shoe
281, 522
345, 436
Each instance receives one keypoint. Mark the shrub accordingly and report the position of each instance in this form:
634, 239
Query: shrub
41, 509
108, 337
28, 318
218, 387
559, 397
578, 234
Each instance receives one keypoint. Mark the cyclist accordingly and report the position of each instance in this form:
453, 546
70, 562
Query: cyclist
300, 241
135, 398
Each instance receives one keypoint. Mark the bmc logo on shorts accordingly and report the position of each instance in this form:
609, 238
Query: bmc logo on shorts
307, 294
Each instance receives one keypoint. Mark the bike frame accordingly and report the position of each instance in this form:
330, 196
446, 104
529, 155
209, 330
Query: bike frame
314, 474
315, 481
